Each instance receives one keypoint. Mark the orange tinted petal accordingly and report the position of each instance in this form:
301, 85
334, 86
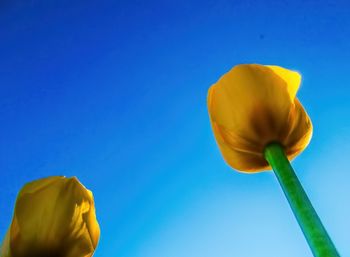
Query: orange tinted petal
253, 105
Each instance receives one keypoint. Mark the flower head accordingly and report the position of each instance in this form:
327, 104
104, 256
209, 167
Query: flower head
53, 217
254, 105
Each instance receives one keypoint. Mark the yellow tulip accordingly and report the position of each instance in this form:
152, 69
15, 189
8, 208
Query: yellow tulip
53, 217
254, 105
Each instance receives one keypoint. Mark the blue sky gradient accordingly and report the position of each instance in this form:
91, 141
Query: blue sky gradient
114, 92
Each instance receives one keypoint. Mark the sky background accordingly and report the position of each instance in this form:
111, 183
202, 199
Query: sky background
114, 92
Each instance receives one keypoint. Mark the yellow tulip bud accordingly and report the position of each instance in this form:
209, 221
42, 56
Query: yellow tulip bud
254, 105
53, 217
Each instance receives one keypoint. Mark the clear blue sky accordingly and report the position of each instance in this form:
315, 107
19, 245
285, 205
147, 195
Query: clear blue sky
114, 92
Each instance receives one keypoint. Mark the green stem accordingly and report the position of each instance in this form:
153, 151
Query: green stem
311, 225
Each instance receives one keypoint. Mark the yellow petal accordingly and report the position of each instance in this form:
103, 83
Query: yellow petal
292, 78
299, 131
253, 105
5, 247
54, 217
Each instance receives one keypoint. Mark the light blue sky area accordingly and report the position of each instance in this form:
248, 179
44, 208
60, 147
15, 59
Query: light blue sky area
114, 93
